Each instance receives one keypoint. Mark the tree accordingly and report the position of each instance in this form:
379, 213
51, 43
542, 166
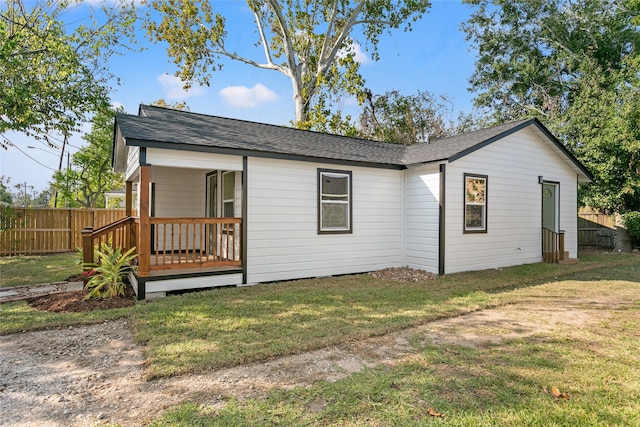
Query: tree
573, 64
407, 119
90, 175
181, 106
5, 194
312, 42
52, 77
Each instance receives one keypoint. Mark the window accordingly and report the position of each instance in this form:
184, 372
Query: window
228, 194
334, 201
475, 203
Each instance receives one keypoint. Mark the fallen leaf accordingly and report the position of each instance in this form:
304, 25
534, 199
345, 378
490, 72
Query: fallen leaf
433, 413
556, 393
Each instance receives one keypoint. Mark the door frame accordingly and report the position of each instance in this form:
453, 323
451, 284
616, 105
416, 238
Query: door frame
556, 202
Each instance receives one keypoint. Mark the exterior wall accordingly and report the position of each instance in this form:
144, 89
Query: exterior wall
514, 204
193, 160
179, 192
422, 216
282, 224
133, 161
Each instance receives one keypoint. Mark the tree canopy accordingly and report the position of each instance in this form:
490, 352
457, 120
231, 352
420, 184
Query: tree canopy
53, 74
312, 42
90, 174
573, 64
407, 119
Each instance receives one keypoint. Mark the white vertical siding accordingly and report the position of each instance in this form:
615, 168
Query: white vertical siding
282, 227
422, 207
514, 203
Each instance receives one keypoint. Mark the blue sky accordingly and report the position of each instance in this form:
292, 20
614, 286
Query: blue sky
433, 57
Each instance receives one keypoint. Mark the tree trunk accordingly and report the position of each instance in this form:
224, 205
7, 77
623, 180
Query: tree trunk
302, 112
624, 242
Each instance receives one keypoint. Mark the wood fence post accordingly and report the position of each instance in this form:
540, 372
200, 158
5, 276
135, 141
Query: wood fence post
561, 245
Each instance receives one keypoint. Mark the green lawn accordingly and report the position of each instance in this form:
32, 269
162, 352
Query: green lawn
38, 269
497, 385
506, 384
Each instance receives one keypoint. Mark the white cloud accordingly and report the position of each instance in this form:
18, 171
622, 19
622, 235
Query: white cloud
360, 55
174, 88
117, 104
244, 97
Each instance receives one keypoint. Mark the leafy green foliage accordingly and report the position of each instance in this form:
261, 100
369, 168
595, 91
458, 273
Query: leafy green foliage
109, 272
573, 65
632, 224
52, 77
313, 43
85, 183
407, 119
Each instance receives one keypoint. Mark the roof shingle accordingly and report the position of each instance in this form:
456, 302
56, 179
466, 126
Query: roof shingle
167, 128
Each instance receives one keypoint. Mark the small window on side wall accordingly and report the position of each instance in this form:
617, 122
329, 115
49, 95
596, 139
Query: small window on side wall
475, 203
334, 201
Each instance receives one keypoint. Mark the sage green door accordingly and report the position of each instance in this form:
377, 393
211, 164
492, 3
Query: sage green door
550, 206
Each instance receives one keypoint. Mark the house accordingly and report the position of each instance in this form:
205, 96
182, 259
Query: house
116, 199
230, 202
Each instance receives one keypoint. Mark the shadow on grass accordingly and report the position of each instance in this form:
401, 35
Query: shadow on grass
508, 383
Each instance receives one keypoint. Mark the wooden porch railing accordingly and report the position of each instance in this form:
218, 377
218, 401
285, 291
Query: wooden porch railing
173, 243
552, 245
182, 243
120, 234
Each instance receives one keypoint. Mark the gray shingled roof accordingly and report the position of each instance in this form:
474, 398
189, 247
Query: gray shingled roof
166, 128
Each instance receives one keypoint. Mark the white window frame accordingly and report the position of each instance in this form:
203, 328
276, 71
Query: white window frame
325, 199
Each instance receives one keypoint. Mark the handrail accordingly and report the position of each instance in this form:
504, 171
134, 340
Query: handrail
119, 234
109, 227
552, 245
172, 243
183, 243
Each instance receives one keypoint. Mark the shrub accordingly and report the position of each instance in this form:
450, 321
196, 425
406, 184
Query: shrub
632, 224
109, 272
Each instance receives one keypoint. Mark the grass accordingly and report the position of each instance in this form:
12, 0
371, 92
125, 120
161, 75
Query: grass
504, 384
37, 269
500, 384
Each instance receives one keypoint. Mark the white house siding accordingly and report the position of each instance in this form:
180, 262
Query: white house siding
178, 193
422, 205
180, 183
282, 223
133, 156
514, 196
193, 160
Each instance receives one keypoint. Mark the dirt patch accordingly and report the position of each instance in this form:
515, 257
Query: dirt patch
75, 302
83, 375
403, 274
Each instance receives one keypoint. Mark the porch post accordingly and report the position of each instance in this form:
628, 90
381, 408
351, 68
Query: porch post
128, 209
128, 199
144, 235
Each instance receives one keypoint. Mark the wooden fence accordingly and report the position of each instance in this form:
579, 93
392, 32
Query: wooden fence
596, 230
38, 231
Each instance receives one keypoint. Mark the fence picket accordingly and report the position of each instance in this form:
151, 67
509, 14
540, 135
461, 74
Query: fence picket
25, 231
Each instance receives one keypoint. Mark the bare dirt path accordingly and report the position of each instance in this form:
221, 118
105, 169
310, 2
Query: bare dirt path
87, 375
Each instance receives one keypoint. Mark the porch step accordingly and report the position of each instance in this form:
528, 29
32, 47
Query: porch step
568, 261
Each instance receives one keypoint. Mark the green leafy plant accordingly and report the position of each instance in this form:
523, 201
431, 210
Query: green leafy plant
632, 224
109, 272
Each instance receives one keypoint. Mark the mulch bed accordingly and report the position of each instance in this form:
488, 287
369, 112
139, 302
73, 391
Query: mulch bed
403, 274
74, 302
